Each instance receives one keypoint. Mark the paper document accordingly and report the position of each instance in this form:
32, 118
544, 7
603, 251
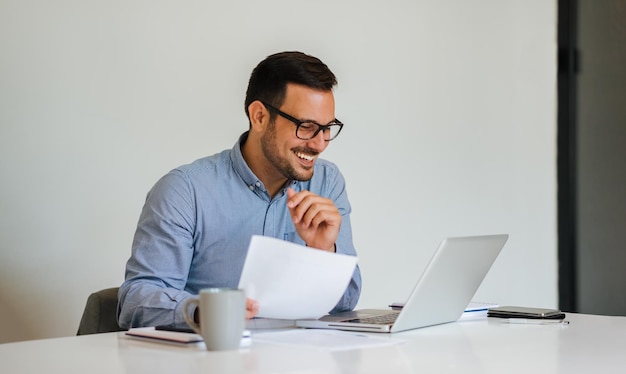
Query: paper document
178, 337
291, 281
162, 335
478, 306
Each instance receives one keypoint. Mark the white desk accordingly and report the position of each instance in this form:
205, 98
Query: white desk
589, 344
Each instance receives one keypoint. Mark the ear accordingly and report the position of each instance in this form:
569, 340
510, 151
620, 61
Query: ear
259, 116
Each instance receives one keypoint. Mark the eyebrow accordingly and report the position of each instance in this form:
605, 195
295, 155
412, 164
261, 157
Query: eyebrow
278, 111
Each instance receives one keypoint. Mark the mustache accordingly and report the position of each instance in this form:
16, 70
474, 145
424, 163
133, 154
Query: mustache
305, 150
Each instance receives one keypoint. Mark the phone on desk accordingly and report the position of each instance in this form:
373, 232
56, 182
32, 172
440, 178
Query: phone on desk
174, 329
525, 312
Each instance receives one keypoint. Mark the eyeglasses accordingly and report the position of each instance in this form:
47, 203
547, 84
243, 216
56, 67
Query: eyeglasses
307, 130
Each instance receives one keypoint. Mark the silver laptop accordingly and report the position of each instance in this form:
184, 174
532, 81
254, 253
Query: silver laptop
441, 295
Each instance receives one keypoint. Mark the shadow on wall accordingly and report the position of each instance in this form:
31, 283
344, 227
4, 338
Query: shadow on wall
13, 325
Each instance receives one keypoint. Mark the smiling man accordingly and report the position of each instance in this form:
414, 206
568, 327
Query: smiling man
197, 221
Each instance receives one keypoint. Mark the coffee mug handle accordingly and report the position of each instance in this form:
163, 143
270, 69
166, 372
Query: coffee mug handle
194, 326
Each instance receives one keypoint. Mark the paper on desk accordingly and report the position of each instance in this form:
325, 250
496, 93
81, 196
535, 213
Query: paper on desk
291, 281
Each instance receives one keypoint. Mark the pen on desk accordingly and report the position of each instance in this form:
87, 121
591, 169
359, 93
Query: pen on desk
535, 321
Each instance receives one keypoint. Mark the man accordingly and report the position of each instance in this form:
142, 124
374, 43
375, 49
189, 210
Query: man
197, 221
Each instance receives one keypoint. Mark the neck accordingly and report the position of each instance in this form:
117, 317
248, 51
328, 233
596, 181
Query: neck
272, 180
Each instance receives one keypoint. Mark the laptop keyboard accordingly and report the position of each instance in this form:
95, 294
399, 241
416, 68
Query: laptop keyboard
384, 319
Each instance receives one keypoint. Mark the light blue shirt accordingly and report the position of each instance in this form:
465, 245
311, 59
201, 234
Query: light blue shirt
195, 228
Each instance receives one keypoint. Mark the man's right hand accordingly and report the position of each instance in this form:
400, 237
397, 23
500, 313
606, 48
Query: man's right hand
252, 308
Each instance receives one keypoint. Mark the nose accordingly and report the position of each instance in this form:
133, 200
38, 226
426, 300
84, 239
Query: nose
317, 142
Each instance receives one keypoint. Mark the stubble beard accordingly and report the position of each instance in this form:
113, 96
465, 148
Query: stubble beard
270, 151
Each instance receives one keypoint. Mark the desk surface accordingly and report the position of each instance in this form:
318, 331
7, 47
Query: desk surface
588, 344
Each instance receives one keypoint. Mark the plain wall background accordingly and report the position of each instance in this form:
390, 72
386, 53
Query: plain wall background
449, 106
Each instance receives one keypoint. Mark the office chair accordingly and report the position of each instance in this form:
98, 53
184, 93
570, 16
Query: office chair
100, 313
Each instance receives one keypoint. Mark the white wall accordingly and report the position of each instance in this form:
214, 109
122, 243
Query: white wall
450, 130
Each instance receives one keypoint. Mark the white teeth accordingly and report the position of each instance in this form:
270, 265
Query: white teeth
305, 157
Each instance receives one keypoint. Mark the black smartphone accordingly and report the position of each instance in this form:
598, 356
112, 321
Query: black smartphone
524, 312
175, 329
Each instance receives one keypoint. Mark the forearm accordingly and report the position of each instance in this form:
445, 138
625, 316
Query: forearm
344, 245
142, 303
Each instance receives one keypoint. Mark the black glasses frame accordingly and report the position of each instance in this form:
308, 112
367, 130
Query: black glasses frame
299, 123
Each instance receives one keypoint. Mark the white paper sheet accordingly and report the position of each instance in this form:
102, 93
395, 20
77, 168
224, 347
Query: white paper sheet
291, 281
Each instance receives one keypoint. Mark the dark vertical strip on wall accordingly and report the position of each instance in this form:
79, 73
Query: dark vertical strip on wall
567, 61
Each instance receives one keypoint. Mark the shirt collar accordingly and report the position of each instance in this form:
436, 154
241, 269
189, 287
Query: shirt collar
241, 167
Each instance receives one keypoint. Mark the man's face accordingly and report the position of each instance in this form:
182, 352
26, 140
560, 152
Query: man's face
286, 153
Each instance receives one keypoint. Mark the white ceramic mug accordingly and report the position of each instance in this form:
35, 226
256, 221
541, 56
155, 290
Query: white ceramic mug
222, 315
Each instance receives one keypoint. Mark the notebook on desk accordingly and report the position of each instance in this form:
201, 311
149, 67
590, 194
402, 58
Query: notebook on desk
441, 294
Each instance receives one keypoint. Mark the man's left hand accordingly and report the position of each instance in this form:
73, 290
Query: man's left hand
316, 218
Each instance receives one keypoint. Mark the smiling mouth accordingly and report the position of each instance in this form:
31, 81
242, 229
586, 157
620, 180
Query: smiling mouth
305, 156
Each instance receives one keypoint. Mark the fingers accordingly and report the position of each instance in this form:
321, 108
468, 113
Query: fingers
308, 209
316, 219
252, 308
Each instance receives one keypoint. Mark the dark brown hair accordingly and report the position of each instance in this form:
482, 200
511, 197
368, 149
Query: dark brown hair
268, 81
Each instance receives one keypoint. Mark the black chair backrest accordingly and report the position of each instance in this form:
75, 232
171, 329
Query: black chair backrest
100, 313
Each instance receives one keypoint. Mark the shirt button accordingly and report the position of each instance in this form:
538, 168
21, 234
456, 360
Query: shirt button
251, 187
258, 184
